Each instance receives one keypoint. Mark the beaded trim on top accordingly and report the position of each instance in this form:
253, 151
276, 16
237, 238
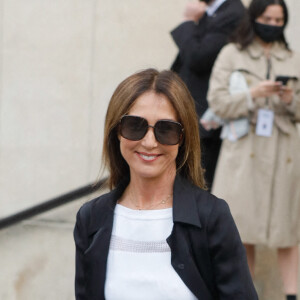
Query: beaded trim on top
125, 245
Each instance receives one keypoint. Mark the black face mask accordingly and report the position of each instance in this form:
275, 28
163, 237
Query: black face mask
268, 33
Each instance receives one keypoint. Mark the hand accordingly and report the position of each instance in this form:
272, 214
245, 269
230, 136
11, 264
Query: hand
208, 125
266, 88
194, 11
286, 94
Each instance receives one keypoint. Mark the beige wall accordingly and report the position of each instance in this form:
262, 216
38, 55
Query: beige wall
60, 62
45, 99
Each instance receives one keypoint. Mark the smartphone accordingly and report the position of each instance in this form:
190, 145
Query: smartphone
285, 79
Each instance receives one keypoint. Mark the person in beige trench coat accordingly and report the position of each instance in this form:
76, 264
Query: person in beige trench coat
258, 175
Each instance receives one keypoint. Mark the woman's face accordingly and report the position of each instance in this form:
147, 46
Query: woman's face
273, 15
147, 158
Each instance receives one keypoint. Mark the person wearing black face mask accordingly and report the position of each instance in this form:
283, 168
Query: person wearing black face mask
268, 33
259, 173
204, 31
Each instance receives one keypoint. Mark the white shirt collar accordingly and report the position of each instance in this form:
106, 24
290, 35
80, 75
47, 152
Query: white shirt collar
211, 9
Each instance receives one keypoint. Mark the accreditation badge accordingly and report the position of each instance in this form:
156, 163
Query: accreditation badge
265, 120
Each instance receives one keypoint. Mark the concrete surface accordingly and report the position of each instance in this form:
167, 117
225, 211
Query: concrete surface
37, 257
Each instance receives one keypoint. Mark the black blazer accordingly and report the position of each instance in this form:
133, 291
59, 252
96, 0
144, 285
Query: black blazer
199, 45
206, 249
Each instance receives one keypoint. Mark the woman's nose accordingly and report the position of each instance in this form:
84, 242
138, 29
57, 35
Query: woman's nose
149, 139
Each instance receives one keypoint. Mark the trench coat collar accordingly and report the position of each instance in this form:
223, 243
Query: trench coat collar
278, 51
184, 205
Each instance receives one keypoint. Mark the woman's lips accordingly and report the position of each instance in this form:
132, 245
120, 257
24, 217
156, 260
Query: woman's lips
148, 156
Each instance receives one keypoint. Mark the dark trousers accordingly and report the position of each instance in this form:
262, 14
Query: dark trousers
210, 148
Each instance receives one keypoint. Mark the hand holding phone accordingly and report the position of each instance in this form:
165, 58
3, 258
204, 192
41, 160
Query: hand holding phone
286, 93
284, 79
265, 89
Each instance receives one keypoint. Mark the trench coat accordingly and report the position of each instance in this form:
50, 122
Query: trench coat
259, 176
206, 250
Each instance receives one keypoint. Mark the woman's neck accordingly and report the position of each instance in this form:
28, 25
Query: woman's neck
149, 193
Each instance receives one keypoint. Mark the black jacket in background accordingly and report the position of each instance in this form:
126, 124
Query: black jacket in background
199, 45
206, 250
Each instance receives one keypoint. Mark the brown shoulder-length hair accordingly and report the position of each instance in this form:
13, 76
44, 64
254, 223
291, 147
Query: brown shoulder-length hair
188, 161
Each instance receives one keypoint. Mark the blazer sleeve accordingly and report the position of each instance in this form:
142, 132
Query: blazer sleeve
199, 44
80, 238
229, 262
198, 53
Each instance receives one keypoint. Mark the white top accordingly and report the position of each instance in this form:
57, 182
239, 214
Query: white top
211, 9
139, 259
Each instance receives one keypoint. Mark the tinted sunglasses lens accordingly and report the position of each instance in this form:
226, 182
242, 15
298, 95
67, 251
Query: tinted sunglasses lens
133, 128
168, 132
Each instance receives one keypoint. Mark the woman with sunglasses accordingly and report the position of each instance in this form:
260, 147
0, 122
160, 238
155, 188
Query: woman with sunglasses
259, 174
158, 234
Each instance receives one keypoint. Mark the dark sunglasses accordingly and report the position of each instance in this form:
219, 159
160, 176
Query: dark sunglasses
166, 132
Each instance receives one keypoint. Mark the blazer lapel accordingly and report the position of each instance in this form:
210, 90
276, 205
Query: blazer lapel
184, 264
186, 215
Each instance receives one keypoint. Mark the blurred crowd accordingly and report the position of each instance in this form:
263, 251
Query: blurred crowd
244, 79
